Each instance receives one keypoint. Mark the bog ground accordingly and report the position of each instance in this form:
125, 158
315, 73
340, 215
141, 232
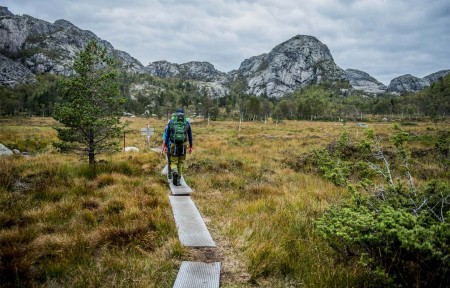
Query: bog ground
63, 225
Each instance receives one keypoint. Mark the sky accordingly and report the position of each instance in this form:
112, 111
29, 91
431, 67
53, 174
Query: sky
385, 38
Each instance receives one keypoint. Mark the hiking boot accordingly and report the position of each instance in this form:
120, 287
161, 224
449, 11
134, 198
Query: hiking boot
169, 175
175, 180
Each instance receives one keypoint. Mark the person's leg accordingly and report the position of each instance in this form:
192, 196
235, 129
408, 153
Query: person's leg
173, 163
181, 164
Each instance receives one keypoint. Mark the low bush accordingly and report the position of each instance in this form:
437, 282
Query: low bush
399, 230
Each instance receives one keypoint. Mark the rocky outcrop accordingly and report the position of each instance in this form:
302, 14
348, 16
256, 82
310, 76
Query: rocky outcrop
43, 47
163, 69
5, 12
407, 83
436, 76
300, 61
13, 73
410, 83
207, 78
363, 81
201, 71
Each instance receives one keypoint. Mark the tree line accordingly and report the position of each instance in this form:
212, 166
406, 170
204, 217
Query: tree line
316, 102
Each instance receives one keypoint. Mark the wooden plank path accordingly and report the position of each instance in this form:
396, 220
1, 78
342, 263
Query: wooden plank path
198, 275
192, 232
183, 189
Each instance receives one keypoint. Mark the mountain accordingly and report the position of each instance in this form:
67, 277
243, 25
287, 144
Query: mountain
202, 71
407, 83
43, 47
361, 80
30, 46
300, 61
436, 76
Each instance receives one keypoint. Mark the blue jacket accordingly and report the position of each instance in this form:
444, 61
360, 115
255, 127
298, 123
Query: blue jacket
167, 133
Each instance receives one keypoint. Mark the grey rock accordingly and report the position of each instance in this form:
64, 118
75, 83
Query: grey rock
407, 83
363, 81
163, 69
4, 151
13, 73
436, 76
5, 12
43, 47
16, 151
206, 77
201, 71
303, 60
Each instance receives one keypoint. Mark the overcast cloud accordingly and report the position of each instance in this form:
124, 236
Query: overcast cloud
383, 38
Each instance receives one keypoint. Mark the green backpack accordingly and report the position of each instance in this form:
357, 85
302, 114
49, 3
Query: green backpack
178, 129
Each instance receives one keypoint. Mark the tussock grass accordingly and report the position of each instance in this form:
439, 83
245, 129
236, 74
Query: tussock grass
64, 224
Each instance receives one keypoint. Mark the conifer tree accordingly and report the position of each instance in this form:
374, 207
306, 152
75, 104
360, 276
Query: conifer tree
92, 105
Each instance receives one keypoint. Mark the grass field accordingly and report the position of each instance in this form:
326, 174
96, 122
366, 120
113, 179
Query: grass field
62, 226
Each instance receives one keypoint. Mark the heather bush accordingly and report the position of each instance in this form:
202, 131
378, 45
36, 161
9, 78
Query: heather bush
399, 230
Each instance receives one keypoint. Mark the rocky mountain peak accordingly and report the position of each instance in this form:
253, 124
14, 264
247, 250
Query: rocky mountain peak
42, 47
64, 24
361, 80
5, 12
436, 76
407, 83
196, 70
297, 62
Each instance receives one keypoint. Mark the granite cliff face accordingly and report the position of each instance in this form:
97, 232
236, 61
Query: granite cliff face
12, 72
436, 76
300, 61
361, 80
43, 47
407, 83
202, 71
206, 77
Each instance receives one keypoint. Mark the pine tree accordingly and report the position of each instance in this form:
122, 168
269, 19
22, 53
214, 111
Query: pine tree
92, 105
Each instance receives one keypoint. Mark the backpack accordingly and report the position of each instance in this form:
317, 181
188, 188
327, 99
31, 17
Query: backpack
178, 129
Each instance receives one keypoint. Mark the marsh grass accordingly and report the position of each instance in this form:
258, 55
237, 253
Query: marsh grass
64, 224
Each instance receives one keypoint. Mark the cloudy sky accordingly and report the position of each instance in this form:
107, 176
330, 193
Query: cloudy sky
385, 38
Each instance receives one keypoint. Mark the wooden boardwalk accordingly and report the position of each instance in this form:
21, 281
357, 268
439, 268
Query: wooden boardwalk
192, 232
198, 275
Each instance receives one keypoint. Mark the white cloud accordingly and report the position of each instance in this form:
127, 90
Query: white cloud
381, 37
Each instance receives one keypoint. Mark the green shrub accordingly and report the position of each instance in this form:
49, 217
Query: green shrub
409, 244
399, 230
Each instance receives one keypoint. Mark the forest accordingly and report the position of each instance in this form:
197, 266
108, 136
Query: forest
325, 101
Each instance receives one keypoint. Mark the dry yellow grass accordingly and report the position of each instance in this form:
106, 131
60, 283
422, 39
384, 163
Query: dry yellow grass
59, 226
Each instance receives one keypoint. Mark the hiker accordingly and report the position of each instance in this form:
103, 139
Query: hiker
178, 133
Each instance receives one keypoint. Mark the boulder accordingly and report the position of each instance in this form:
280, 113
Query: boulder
4, 151
131, 149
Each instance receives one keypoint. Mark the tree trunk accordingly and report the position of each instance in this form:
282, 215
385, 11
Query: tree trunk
91, 151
